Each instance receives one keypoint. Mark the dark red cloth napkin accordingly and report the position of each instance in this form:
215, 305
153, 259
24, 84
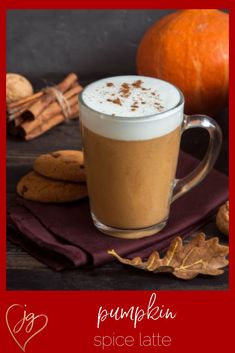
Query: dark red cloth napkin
63, 236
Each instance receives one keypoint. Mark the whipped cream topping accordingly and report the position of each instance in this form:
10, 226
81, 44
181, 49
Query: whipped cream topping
131, 107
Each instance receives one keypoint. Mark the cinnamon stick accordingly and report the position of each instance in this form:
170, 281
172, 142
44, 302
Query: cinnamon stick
52, 110
37, 108
16, 122
55, 120
12, 110
14, 113
17, 111
25, 100
13, 126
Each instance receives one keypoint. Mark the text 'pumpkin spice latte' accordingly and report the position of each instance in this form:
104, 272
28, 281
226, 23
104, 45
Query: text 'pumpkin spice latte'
190, 49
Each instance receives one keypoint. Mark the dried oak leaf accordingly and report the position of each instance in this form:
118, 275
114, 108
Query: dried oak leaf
199, 256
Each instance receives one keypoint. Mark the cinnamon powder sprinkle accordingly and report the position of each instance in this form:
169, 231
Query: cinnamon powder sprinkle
125, 90
125, 86
159, 105
137, 84
115, 101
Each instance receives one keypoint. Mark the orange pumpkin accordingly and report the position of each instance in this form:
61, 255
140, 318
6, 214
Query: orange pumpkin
190, 48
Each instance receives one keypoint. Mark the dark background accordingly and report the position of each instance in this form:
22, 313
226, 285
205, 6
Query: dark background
92, 43
45, 45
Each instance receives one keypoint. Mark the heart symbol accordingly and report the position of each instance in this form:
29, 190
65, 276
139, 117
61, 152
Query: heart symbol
20, 325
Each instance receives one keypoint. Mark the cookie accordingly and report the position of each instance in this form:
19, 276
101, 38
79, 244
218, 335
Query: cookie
222, 218
36, 187
61, 165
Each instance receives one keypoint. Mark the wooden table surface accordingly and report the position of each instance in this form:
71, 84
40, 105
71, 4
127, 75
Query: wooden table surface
26, 273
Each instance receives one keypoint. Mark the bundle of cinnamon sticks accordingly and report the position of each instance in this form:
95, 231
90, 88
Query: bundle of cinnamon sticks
32, 116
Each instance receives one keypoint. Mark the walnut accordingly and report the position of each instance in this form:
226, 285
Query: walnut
222, 218
17, 87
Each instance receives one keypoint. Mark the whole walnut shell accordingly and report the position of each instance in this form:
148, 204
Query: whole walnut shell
17, 87
222, 218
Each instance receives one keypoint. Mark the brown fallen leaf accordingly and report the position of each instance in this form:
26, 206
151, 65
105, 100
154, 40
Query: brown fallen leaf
199, 256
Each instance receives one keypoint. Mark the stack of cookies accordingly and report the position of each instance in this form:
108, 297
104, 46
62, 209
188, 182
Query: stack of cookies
57, 177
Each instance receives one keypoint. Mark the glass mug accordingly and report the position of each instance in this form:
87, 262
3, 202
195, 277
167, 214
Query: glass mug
131, 156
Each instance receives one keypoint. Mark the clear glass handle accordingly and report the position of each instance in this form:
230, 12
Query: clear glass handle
198, 174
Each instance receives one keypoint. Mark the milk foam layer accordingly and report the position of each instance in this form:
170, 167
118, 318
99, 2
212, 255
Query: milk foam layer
131, 107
